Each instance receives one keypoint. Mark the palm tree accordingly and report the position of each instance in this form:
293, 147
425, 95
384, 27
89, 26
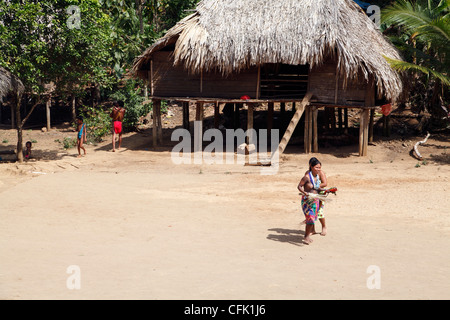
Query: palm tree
423, 38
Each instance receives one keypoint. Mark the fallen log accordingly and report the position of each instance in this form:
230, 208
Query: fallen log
415, 151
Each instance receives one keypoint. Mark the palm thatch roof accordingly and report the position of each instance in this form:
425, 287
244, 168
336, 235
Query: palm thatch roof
9, 84
232, 35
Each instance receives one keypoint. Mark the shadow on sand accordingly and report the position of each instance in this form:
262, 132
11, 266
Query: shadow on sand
290, 236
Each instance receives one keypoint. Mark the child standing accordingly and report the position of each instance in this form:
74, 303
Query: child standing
28, 150
81, 137
117, 115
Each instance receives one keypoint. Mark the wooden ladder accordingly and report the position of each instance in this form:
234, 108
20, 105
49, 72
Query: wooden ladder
293, 124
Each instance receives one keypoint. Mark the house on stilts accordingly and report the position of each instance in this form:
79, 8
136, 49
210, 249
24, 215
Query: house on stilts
316, 54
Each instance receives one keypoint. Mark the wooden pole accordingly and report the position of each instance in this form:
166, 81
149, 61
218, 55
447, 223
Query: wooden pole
308, 130
186, 123
361, 133
250, 124
199, 135
216, 115
346, 120
152, 87
369, 102
366, 132
160, 133
340, 122
270, 108
315, 113
258, 83
372, 115
155, 123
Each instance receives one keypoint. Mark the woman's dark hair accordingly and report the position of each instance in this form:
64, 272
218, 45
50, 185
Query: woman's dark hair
80, 118
313, 162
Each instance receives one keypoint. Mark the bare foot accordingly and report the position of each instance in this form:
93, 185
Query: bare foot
79, 156
324, 232
307, 240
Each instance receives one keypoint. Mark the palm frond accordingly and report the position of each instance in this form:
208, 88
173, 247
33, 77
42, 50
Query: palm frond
403, 66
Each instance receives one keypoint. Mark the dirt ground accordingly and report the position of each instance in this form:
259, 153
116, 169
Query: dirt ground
137, 226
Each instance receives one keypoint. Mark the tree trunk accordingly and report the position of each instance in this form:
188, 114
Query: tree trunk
47, 110
73, 103
19, 130
139, 9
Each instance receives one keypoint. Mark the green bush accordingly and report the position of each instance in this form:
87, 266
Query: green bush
132, 96
98, 123
69, 143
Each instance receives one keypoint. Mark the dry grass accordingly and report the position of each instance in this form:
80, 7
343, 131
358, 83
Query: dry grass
232, 35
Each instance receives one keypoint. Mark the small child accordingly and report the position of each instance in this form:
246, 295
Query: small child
81, 128
28, 150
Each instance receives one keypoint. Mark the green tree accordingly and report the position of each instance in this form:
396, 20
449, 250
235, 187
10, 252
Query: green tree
421, 30
40, 46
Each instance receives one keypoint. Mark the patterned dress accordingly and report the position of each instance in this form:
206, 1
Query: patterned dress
312, 208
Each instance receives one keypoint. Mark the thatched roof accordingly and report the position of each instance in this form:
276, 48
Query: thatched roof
9, 84
232, 35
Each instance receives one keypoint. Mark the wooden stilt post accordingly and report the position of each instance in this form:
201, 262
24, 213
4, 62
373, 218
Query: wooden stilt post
361, 133
155, 123
372, 115
366, 132
340, 122
308, 129
365, 114
250, 123
333, 119
160, 133
270, 108
216, 115
186, 123
315, 112
306, 132
199, 118
346, 120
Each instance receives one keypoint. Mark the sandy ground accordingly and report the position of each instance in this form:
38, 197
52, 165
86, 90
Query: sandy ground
139, 227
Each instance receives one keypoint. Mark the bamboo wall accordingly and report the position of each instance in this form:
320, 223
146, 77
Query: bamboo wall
167, 80
173, 81
331, 89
